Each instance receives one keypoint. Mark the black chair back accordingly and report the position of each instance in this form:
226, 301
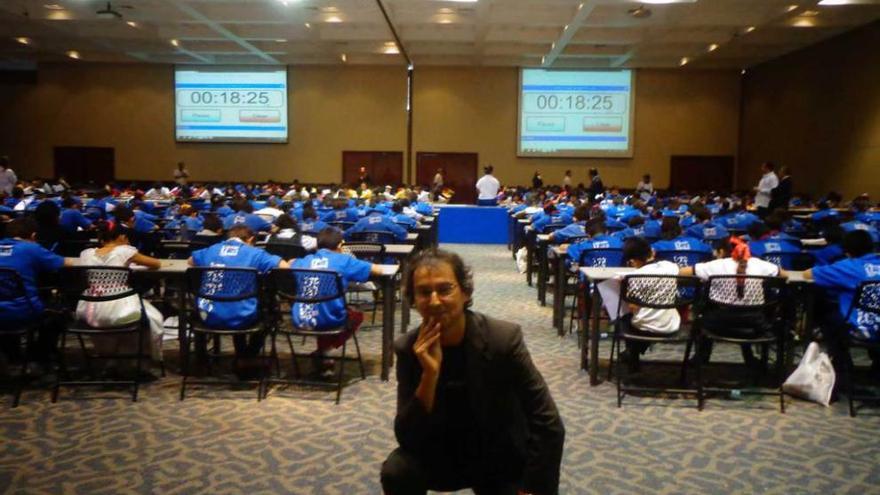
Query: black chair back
285, 250
366, 251
866, 305
97, 283
744, 292
222, 284
601, 257
341, 224
306, 286
374, 236
660, 291
178, 250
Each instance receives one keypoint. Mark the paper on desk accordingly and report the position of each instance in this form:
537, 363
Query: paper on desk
609, 290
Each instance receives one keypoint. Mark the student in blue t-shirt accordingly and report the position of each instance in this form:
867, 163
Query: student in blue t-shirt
341, 212
71, 217
775, 250
859, 225
704, 228
309, 222
332, 314
672, 240
236, 251
20, 251
577, 228
400, 218
375, 221
840, 280
599, 239
244, 214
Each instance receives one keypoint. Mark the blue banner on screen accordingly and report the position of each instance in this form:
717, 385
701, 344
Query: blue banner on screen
575, 113
228, 104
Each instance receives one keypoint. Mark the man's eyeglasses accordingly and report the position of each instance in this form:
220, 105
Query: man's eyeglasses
443, 291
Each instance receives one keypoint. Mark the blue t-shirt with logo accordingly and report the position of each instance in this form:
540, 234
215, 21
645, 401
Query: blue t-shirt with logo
564, 234
841, 279
28, 259
708, 231
857, 225
377, 223
254, 222
602, 241
231, 253
329, 314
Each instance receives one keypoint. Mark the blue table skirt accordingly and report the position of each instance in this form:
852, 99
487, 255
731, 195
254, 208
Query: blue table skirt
467, 224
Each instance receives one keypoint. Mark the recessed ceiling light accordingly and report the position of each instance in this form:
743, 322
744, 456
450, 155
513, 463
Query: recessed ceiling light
73, 54
837, 2
580, 6
333, 18
329, 10
132, 24
445, 10
23, 40
791, 8
712, 47
308, 25
54, 6
668, 1
810, 13
280, 40
344, 58
804, 22
684, 61
749, 29
444, 21
742, 71
175, 43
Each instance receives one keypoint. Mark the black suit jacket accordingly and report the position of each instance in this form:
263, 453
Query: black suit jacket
517, 421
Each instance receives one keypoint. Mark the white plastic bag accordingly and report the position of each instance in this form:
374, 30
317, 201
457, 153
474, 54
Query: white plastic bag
522, 257
814, 377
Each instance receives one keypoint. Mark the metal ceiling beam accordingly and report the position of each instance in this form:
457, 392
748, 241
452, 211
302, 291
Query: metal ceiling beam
217, 27
584, 10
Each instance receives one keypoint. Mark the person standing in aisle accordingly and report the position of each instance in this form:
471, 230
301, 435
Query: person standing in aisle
596, 185
181, 175
487, 188
764, 189
7, 176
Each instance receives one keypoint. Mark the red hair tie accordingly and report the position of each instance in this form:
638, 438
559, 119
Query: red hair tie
740, 251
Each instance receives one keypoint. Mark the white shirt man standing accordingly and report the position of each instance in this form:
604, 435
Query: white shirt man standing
8, 178
764, 190
487, 188
181, 174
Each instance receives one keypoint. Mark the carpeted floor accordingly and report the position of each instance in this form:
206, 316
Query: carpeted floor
298, 441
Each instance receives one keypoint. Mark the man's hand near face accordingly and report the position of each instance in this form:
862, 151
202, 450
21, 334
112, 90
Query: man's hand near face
429, 352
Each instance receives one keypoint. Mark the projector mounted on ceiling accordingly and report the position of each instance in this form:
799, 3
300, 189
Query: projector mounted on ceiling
108, 12
640, 12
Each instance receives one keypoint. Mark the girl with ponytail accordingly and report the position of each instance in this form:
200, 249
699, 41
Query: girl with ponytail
734, 258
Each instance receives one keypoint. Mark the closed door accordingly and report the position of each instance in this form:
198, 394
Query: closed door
701, 173
383, 167
460, 173
80, 164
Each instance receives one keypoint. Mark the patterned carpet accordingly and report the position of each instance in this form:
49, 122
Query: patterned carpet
221, 440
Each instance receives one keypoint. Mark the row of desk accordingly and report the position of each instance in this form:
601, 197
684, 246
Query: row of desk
173, 270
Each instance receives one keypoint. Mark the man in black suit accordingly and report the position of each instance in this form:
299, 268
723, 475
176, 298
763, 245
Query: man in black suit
780, 196
472, 409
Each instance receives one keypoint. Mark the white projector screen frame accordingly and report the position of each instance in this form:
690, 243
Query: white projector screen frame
578, 153
277, 99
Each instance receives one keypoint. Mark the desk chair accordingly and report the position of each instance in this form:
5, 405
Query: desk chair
221, 285
12, 289
308, 288
104, 285
743, 309
654, 292
866, 303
